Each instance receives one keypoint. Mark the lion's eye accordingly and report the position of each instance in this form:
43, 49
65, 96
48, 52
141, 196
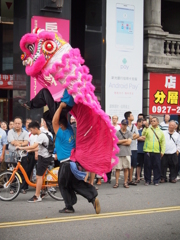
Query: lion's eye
31, 48
49, 47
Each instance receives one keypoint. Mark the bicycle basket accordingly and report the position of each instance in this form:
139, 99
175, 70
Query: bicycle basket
10, 157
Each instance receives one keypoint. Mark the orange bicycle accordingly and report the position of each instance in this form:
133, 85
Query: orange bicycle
10, 180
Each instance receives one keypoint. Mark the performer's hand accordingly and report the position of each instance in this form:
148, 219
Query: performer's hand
63, 104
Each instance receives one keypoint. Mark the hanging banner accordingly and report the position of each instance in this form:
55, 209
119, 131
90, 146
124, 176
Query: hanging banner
124, 57
56, 25
164, 94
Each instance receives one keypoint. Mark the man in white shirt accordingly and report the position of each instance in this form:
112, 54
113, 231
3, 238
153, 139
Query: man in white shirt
44, 157
165, 124
18, 137
114, 122
170, 158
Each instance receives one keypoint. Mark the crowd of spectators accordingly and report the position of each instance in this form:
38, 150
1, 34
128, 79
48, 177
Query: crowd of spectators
147, 148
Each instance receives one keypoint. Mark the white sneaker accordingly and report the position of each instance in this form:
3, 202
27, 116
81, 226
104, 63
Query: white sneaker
35, 199
178, 178
53, 190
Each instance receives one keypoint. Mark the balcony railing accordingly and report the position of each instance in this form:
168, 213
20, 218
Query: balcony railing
172, 45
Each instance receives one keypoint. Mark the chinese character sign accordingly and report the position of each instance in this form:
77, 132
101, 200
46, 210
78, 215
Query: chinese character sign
164, 94
6, 81
52, 24
56, 25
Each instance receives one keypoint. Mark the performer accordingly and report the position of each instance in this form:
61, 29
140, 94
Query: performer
50, 59
68, 176
44, 98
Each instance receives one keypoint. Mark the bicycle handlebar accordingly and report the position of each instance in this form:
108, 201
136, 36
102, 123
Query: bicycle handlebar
20, 152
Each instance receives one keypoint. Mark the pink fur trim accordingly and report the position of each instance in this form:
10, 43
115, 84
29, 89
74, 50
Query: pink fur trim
36, 66
27, 38
83, 92
46, 35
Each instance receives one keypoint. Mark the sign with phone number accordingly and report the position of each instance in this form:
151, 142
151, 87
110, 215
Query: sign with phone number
164, 95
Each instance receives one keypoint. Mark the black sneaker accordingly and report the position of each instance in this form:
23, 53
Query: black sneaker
67, 210
96, 205
24, 103
35, 199
43, 194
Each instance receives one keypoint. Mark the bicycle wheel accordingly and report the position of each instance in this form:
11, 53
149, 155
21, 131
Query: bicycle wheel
11, 191
54, 192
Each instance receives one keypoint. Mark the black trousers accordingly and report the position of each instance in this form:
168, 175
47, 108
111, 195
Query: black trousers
152, 161
169, 161
44, 98
109, 175
28, 163
68, 185
31, 163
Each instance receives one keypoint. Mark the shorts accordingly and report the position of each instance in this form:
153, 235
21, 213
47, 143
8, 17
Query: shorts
42, 165
140, 159
124, 162
134, 158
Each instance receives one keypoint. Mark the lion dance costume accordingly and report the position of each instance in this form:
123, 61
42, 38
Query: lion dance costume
48, 58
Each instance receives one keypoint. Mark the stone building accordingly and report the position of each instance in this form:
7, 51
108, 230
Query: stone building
161, 41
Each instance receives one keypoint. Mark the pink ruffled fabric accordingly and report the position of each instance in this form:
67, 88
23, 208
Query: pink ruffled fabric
96, 143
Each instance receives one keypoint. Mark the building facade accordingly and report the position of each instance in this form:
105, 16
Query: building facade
88, 33
161, 42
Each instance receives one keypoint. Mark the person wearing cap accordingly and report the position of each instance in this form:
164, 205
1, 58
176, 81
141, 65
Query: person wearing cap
125, 138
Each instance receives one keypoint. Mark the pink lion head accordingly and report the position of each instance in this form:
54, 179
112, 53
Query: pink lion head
39, 47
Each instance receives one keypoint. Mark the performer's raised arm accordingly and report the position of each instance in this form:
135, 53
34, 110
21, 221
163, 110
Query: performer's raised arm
55, 121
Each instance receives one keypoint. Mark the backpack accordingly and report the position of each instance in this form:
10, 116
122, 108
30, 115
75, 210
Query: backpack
50, 146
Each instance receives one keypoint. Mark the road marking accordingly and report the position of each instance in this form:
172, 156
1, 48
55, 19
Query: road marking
88, 217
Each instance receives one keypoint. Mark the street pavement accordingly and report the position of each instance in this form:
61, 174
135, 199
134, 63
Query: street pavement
140, 212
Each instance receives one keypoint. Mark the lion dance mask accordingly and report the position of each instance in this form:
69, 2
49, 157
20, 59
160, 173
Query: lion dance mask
49, 59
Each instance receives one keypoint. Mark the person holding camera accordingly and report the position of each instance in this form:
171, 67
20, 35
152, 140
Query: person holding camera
140, 152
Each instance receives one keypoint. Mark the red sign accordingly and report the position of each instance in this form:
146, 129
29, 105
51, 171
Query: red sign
164, 94
6, 81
